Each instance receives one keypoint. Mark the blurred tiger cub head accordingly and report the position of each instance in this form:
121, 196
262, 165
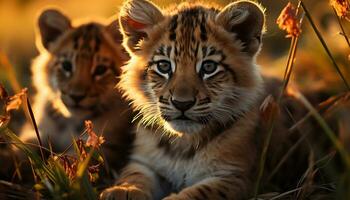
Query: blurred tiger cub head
78, 65
192, 67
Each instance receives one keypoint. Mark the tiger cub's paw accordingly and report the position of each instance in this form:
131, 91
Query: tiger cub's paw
124, 192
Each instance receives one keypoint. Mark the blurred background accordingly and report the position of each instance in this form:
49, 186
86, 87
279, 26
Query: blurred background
313, 69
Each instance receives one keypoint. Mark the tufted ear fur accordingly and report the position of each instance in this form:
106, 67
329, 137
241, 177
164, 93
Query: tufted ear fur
136, 18
247, 20
52, 24
114, 31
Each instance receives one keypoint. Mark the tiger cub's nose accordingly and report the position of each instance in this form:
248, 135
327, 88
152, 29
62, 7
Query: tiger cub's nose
183, 105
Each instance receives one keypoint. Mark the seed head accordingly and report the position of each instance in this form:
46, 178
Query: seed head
93, 140
288, 21
341, 7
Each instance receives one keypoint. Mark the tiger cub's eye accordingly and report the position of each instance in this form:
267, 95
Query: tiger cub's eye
67, 66
209, 67
164, 66
100, 70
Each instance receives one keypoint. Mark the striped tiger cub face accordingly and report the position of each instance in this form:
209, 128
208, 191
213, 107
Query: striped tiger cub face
193, 67
84, 61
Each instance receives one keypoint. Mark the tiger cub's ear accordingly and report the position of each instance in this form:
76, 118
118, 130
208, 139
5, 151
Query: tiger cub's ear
52, 24
136, 18
247, 20
114, 31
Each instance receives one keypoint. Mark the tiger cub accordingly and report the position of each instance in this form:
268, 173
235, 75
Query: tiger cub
194, 80
74, 77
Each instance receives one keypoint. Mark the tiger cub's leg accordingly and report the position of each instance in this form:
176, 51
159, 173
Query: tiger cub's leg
228, 188
137, 182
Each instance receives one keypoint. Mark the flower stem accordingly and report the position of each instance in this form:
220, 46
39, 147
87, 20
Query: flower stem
35, 127
289, 68
341, 27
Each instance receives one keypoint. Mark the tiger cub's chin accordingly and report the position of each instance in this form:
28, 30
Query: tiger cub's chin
184, 126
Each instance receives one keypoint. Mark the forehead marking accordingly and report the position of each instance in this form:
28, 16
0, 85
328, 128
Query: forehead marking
173, 26
87, 38
204, 51
203, 30
187, 30
168, 51
160, 51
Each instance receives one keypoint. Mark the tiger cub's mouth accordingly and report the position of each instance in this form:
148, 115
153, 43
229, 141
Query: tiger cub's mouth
183, 124
183, 117
187, 126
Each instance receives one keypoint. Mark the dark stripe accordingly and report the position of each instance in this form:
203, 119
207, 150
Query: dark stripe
203, 30
222, 194
176, 52
166, 117
196, 49
163, 100
205, 119
160, 51
204, 101
172, 36
207, 188
204, 51
164, 108
201, 109
144, 74
168, 50
212, 51
84, 35
173, 26
76, 41
97, 43
202, 192
227, 181
233, 73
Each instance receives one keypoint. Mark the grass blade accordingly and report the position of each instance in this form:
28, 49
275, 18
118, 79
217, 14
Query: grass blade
326, 129
35, 127
319, 36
